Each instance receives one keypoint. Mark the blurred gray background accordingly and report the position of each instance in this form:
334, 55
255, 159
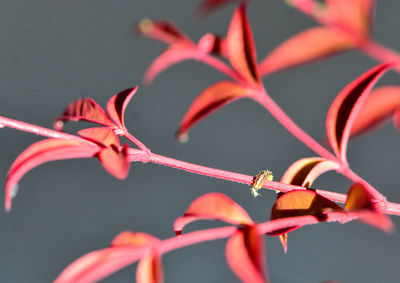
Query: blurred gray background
54, 52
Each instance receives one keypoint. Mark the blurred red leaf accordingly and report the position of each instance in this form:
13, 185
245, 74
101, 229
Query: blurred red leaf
360, 200
115, 161
149, 269
98, 264
208, 6
103, 136
346, 107
83, 109
213, 206
117, 104
304, 171
161, 30
245, 255
240, 46
382, 103
304, 47
42, 152
212, 43
211, 99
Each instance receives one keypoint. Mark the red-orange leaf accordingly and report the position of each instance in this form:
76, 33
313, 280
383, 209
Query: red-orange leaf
42, 152
211, 43
162, 31
208, 6
103, 136
83, 109
240, 46
307, 46
346, 106
211, 99
117, 104
115, 161
303, 172
245, 255
132, 239
213, 206
149, 269
360, 200
382, 103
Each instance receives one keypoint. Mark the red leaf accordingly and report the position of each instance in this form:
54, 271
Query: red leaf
149, 269
83, 109
103, 136
42, 152
301, 203
346, 106
162, 31
312, 44
240, 46
360, 200
382, 103
245, 255
171, 56
303, 172
117, 104
98, 264
211, 99
354, 15
213, 206
115, 162
211, 43
208, 6
132, 239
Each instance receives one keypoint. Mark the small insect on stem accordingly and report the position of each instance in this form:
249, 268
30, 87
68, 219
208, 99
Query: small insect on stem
259, 180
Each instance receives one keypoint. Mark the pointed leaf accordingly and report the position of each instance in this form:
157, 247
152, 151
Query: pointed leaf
169, 57
240, 46
103, 136
42, 152
301, 203
83, 109
346, 106
303, 172
162, 31
149, 269
213, 206
382, 103
117, 104
211, 99
304, 47
245, 255
115, 162
99, 264
360, 200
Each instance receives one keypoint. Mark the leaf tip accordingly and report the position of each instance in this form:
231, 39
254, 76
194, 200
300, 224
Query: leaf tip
145, 26
182, 137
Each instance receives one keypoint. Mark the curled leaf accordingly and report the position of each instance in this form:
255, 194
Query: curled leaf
211, 99
117, 104
149, 269
211, 43
240, 46
303, 172
245, 255
382, 103
42, 152
346, 106
307, 46
213, 206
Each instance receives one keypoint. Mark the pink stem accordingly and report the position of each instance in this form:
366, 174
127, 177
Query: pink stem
135, 141
380, 53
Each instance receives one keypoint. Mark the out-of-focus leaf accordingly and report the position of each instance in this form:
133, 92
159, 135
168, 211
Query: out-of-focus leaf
240, 46
245, 255
83, 109
162, 31
42, 152
346, 106
117, 104
360, 200
382, 103
307, 46
96, 265
301, 203
208, 6
149, 269
213, 206
132, 239
169, 57
115, 162
104, 136
214, 44
210, 100
354, 15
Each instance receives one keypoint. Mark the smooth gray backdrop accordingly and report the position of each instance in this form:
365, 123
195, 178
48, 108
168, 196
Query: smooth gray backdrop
53, 52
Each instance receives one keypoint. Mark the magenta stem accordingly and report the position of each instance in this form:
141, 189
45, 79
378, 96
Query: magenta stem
135, 141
